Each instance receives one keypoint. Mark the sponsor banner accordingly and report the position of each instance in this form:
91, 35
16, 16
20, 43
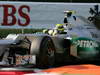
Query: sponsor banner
37, 15
86, 48
25, 60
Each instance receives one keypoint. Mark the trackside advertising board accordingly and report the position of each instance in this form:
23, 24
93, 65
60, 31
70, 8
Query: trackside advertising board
37, 14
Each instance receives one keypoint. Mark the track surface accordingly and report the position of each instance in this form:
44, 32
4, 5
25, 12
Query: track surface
86, 69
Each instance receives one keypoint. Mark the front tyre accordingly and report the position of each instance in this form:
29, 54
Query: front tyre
46, 56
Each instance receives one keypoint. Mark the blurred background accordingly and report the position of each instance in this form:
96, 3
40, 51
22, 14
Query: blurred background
74, 1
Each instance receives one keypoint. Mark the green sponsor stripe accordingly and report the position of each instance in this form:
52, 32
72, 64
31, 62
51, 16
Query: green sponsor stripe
86, 47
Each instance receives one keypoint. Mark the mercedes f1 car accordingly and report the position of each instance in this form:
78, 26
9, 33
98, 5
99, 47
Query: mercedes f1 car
81, 42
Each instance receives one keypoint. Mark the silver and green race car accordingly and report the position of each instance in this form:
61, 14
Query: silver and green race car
81, 42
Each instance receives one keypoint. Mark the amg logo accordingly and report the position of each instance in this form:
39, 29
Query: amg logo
87, 43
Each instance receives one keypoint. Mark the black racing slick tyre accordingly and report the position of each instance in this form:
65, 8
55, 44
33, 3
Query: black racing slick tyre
45, 52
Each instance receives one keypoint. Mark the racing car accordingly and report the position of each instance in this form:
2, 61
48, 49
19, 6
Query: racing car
81, 42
